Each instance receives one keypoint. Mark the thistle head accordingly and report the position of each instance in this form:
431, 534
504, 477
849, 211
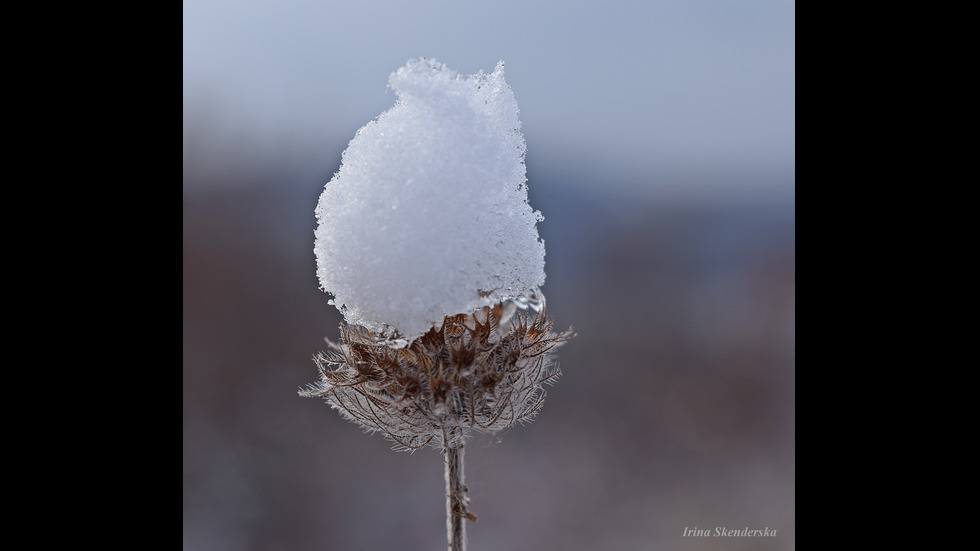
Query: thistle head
428, 244
476, 372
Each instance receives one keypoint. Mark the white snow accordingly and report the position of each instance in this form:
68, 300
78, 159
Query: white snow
428, 213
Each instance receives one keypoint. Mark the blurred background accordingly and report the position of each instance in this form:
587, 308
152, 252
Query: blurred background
661, 151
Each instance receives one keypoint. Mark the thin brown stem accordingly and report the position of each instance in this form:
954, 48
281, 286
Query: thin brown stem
457, 504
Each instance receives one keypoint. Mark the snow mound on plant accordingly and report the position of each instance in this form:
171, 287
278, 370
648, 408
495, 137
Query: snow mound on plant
428, 214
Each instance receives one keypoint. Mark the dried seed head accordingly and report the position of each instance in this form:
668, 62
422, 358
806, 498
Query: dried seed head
481, 372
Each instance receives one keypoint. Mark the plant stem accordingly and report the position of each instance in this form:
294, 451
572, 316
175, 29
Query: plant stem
457, 504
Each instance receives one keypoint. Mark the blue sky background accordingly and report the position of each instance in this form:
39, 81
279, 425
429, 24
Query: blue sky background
695, 97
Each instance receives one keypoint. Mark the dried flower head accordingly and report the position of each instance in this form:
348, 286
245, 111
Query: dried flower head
427, 241
481, 372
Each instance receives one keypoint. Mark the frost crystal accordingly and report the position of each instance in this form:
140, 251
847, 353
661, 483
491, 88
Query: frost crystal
428, 215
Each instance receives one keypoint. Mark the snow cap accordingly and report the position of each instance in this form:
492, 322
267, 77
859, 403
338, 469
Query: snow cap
428, 214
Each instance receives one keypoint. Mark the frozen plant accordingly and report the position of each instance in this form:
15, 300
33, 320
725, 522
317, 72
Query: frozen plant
427, 243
